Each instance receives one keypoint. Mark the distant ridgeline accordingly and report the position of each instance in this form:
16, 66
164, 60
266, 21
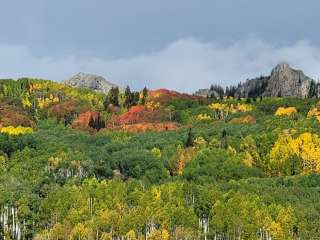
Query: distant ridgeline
283, 81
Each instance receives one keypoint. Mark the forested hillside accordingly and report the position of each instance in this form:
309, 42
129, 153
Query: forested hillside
156, 165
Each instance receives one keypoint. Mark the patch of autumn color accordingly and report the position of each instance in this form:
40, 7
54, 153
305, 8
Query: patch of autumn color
146, 127
82, 122
53, 163
314, 112
288, 111
305, 148
158, 92
66, 108
184, 156
159, 235
244, 120
84, 118
25, 101
47, 101
132, 115
131, 235
249, 146
15, 131
199, 141
218, 106
156, 193
80, 231
11, 115
141, 114
222, 110
231, 107
94, 99
153, 105
164, 96
202, 117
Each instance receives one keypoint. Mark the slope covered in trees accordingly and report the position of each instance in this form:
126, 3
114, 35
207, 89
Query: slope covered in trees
76, 164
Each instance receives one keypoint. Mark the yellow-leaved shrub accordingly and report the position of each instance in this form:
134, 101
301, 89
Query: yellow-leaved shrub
285, 111
15, 131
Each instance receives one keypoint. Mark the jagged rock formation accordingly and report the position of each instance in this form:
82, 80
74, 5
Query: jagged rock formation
91, 81
283, 81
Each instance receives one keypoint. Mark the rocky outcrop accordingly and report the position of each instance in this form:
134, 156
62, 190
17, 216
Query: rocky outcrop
91, 81
283, 81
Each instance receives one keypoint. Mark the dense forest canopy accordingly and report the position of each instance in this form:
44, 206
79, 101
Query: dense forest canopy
156, 165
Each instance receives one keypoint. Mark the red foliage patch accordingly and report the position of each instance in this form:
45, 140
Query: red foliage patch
140, 114
133, 115
164, 96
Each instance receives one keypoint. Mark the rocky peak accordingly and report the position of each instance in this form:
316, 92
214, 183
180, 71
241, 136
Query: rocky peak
281, 67
91, 81
283, 81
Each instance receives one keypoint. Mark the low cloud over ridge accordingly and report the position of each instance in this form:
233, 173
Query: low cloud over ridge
184, 65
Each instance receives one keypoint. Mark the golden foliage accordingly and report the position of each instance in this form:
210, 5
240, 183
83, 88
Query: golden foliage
222, 110
231, 107
47, 101
305, 148
153, 105
204, 117
131, 235
314, 112
26, 103
252, 156
159, 234
288, 111
184, 156
199, 142
15, 131
80, 231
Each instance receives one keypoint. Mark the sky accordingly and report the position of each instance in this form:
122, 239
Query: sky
177, 44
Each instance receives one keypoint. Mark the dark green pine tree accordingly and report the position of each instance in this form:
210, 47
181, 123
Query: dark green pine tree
189, 142
312, 89
113, 97
224, 140
128, 97
96, 123
144, 95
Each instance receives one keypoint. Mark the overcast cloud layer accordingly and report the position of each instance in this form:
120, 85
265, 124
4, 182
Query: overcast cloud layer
184, 65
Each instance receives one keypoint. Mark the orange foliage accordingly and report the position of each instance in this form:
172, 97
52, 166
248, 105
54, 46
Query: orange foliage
84, 119
164, 96
133, 115
140, 114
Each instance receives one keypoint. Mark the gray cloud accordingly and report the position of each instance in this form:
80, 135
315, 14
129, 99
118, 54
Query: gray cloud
184, 65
